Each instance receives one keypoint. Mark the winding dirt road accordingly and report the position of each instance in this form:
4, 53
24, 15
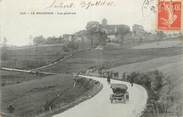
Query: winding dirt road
100, 106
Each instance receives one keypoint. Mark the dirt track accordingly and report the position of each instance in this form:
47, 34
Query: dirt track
100, 106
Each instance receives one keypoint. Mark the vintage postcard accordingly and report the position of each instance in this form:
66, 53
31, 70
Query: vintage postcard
91, 58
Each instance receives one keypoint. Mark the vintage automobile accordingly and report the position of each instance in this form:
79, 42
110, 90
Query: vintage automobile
120, 93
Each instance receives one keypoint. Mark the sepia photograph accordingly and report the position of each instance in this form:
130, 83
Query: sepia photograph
91, 58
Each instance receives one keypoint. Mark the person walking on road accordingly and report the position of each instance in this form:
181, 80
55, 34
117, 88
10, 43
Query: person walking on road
131, 81
108, 77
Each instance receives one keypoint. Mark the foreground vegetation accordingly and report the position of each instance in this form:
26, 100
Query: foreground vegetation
38, 96
10, 78
161, 102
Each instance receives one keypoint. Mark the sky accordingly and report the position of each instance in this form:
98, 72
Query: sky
18, 28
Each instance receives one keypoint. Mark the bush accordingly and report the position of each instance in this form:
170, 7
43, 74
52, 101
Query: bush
151, 80
154, 82
11, 108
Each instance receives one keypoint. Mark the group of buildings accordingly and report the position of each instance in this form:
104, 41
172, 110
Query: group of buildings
119, 33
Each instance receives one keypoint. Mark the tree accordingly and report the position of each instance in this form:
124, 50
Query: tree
51, 40
160, 35
139, 32
157, 79
4, 50
122, 30
39, 40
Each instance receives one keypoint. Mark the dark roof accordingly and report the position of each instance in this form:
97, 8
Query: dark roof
121, 86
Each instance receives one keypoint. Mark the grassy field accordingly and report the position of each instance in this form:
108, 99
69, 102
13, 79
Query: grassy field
160, 44
32, 57
38, 96
149, 65
9, 78
112, 56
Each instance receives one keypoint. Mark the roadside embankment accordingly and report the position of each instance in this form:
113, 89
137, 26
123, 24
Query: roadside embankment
47, 96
